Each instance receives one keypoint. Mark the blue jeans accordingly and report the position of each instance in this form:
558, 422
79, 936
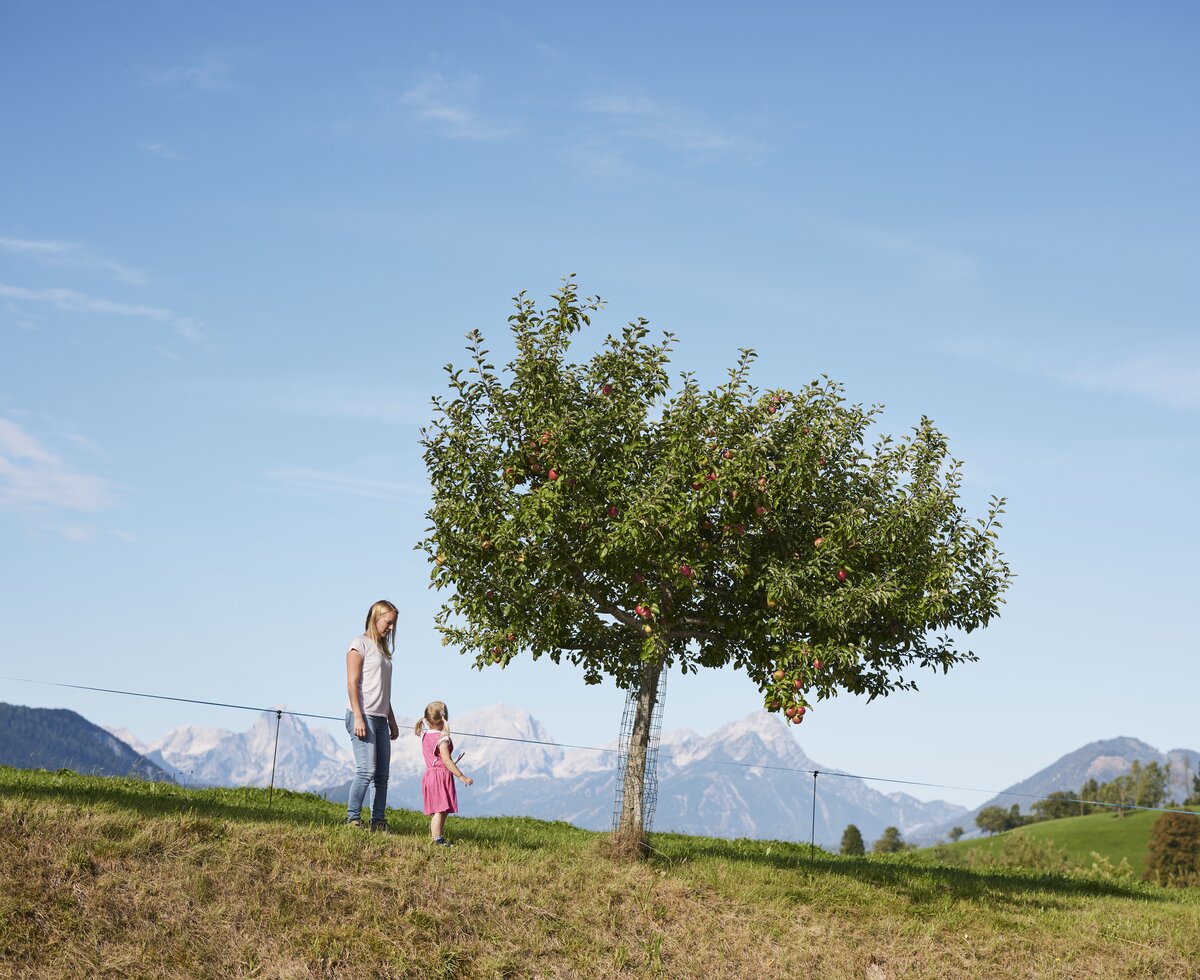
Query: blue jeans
372, 760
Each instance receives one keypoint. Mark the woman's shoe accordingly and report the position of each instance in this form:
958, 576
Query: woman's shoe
380, 827
354, 823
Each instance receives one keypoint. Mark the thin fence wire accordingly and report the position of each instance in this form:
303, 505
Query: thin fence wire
279, 712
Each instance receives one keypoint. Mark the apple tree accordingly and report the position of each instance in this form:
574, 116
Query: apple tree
590, 511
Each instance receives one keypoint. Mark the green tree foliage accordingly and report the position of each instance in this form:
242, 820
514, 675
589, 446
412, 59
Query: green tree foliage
1194, 799
584, 511
955, 833
890, 842
1142, 786
992, 819
1173, 852
1089, 796
1056, 806
852, 841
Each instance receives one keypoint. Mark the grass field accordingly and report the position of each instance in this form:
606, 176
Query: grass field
118, 878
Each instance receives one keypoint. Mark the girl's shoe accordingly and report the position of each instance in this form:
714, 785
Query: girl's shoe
442, 842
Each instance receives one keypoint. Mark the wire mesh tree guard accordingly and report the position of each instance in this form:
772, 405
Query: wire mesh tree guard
650, 780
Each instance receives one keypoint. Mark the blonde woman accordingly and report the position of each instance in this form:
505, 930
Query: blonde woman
437, 786
369, 718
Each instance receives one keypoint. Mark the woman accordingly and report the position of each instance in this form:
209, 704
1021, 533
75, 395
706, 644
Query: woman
369, 719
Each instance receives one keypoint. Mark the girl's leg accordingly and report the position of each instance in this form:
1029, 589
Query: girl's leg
364, 766
436, 824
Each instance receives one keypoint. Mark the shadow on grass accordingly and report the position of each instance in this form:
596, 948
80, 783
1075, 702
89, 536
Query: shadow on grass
921, 882
255, 805
153, 799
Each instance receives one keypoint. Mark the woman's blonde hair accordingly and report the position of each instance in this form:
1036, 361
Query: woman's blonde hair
385, 644
436, 713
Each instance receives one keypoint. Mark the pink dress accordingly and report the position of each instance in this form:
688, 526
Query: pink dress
437, 786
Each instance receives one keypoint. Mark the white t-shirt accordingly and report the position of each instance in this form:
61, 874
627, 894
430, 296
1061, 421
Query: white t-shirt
375, 690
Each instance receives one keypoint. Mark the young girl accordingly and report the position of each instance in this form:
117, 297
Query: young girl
369, 718
437, 786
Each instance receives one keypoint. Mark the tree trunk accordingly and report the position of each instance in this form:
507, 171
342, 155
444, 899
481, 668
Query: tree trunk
630, 827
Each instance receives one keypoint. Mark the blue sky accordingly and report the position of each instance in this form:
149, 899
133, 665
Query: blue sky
239, 241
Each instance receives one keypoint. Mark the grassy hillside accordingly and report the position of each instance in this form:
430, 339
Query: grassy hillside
114, 877
1115, 838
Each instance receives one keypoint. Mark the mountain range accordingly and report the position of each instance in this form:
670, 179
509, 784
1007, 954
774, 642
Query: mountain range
1102, 761
750, 778
54, 738
302, 758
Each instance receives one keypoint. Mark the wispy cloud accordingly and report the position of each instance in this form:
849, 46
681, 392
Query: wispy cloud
323, 483
1163, 375
58, 253
937, 262
1171, 379
637, 118
451, 106
162, 150
71, 301
213, 73
312, 399
33, 477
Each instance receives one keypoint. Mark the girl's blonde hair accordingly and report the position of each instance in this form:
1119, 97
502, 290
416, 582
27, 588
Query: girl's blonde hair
385, 644
436, 715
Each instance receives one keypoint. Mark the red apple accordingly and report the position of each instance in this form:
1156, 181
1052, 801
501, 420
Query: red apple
697, 486
552, 475
712, 476
606, 389
687, 571
612, 511
797, 684
806, 430
841, 575
545, 438
789, 711
817, 665
800, 710
772, 705
728, 454
778, 675
739, 529
511, 637
818, 542
760, 510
